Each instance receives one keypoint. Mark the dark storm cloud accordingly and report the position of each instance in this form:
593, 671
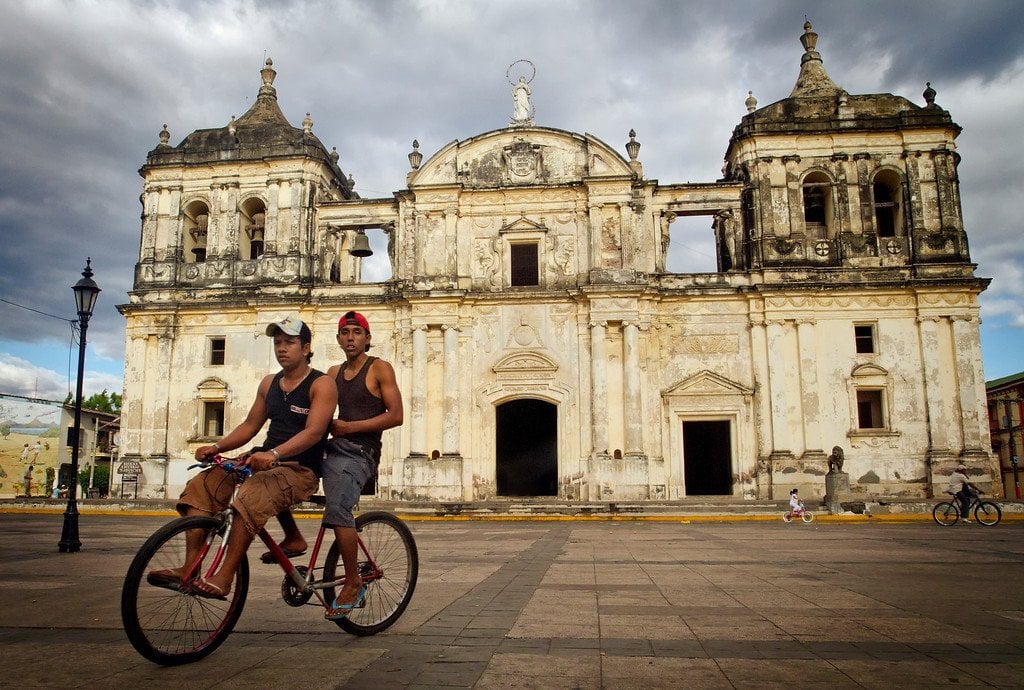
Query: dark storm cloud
86, 87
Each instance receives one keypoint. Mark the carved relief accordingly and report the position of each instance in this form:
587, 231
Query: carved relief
710, 344
523, 164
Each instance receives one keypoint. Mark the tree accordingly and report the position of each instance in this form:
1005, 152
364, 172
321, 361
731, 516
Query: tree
5, 429
100, 402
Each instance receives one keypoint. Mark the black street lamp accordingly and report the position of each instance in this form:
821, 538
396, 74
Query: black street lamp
86, 292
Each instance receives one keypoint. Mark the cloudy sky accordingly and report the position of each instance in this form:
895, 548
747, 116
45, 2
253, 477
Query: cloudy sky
85, 88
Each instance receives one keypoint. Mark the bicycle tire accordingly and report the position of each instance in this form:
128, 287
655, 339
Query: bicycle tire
787, 516
945, 513
394, 551
988, 513
807, 516
171, 626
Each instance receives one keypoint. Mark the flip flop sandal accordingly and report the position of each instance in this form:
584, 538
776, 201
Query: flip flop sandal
168, 579
202, 587
268, 557
337, 612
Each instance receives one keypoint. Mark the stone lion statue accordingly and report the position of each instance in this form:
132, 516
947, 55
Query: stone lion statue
835, 461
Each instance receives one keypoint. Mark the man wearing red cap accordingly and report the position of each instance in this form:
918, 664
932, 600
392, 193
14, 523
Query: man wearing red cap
368, 403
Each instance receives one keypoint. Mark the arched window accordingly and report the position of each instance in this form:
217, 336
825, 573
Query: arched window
252, 218
888, 198
817, 198
196, 222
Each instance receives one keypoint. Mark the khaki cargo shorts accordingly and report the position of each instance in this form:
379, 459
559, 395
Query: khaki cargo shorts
262, 496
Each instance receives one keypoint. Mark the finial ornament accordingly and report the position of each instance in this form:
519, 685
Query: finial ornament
632, 146
522, 107
929, 93
268, 73
415, 157
307, 124
751, 102
165, 136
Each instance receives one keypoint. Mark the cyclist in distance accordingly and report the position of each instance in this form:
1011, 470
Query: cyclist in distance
961, 487
368, 403
794, 502
299, 402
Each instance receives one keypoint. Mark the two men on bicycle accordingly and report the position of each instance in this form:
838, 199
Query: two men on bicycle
961, 487
299, 401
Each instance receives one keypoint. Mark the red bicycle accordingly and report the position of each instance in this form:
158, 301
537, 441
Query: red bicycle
801, 512
170, 623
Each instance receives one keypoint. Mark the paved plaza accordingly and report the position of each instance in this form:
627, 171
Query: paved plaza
564, 604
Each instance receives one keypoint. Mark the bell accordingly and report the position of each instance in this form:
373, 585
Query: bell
361, 245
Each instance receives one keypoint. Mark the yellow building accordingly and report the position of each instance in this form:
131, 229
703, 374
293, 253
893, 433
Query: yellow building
541, 346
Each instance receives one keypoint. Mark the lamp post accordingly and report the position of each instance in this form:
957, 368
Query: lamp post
86, 292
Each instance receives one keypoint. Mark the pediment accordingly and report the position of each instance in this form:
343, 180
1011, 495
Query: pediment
524, 224
707, 383
525, 364
212, 383
862, 370
520, 156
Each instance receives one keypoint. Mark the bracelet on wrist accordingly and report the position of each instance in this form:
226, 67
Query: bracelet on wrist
277, 456
216, 448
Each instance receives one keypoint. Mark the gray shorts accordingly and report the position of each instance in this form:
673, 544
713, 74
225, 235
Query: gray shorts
346, 471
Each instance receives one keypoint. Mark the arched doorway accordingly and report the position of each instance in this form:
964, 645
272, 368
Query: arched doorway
526, 440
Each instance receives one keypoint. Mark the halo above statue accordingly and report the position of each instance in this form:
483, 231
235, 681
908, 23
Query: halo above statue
521, 71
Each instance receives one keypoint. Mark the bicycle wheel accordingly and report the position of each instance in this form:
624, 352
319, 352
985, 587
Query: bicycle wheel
945, 514
807, 516
169, 624
988, 513
388, 590
787, 516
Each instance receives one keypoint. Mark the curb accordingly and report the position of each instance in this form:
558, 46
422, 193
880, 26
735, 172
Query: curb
680, 518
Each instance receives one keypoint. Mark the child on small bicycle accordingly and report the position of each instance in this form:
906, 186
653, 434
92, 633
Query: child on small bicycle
795, 504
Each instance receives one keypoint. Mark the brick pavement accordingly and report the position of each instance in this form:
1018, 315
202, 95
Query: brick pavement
565, 604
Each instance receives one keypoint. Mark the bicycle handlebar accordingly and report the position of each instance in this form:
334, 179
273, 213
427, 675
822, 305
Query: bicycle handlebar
228, 465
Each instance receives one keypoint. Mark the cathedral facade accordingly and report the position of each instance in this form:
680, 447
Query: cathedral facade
541, 346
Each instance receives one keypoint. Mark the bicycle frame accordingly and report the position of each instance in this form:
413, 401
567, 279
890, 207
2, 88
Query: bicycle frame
305, 584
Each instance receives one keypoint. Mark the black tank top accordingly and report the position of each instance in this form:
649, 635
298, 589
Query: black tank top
355, 402
288, 413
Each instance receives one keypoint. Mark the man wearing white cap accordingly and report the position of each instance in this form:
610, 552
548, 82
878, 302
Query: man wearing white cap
299, 401
961, 487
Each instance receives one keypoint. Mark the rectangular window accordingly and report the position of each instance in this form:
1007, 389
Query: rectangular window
216, 351
864, 338
524, 264
213, 419
870, 411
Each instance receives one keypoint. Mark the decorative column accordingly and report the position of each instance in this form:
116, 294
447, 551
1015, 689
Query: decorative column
598, 389
418, 399
814, 447
940, 447
762, 404
595, 236
967, 354
631, 384
149, 221
270, 232
175, 242
450, 440
782, 443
